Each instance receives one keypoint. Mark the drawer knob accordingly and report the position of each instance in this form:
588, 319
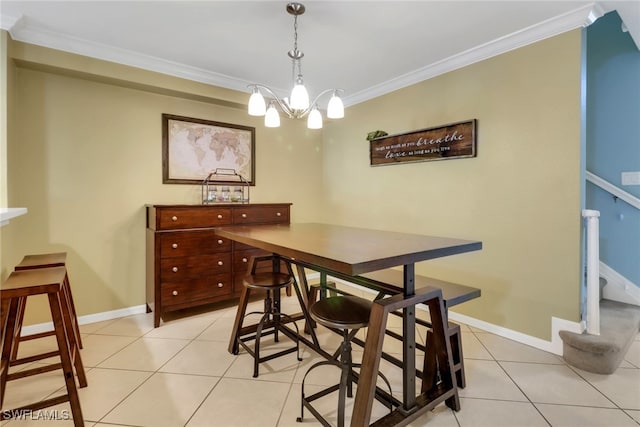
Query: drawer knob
175, 269
278, 214
174, 293
220, 285
244, 260
244, 215
220, 241
219, 216
220, 263
174, 246
174, 218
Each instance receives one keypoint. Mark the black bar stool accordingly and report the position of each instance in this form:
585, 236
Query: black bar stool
348, 314
15, 290
271, 322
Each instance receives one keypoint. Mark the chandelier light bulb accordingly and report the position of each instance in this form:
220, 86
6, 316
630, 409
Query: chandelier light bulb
315, 119
257, 106
299, 99
335, 109
271, 117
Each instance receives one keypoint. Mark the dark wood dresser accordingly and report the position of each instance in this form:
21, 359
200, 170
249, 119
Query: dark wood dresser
188, 264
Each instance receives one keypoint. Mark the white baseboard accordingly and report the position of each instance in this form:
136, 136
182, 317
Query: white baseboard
90, 318
554, 346
618, 287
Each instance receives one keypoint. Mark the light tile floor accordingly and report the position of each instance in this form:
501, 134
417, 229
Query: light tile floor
181, 374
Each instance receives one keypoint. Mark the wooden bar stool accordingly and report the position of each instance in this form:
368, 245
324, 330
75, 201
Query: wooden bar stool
348, 314
271, 322
19, 286
29, 262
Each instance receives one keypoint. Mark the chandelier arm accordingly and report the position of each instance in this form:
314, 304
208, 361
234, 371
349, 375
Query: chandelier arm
303, 113
311, 104
283, 106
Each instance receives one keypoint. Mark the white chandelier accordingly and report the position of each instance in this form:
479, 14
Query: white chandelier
297, 106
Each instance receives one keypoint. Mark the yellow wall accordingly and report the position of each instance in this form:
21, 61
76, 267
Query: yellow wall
520, 196
86, 157
4, 42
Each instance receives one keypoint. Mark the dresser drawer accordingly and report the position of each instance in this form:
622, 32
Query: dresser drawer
184, 243
260, 214
198, 290
179, 218
193, 267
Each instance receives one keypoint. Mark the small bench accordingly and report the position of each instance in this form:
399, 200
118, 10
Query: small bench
391, 282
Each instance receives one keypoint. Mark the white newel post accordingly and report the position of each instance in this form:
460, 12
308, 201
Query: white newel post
593, 270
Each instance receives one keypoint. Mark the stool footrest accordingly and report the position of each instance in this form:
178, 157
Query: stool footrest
269, 357
33, 371
245, 330
38, 335
34, 358
321, 393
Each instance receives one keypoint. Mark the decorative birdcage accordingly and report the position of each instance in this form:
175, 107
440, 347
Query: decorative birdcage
225, 186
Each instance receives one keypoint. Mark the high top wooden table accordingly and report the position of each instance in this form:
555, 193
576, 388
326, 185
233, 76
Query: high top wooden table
346, 253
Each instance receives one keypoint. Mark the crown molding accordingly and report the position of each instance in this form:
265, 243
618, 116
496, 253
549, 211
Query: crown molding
9, 23
66, 43
580, 17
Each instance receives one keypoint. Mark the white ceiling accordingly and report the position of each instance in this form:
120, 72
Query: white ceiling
366, 48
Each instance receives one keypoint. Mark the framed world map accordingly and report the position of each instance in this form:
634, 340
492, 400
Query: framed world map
193, 148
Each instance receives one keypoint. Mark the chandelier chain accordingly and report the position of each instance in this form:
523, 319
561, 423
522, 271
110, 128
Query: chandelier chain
295, 33
296, 53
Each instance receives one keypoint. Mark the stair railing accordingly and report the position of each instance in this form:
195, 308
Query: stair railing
592, 226
591, 221
613, 190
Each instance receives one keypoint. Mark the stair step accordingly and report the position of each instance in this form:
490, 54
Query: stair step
602, 354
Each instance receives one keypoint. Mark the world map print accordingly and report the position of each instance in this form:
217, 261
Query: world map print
196, 149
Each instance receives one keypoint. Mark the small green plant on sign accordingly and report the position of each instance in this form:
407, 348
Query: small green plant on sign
376, 134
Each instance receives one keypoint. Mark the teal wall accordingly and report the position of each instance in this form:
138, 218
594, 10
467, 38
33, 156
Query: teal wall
613, 139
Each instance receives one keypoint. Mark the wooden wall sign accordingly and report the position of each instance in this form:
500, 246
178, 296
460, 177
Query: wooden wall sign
452, 141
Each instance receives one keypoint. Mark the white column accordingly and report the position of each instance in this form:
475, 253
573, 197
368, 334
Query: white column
593, 270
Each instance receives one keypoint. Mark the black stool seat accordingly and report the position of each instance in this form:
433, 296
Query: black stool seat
267, 280
342, 312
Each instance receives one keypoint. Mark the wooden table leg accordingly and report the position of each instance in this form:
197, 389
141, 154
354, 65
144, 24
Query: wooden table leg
432, 394
363, 403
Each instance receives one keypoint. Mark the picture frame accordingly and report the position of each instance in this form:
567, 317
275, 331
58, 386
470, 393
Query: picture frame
444, 142
193, 148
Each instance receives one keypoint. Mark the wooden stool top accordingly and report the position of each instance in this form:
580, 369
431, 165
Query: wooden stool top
267, 280
32, 282
57, 259
343, 312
